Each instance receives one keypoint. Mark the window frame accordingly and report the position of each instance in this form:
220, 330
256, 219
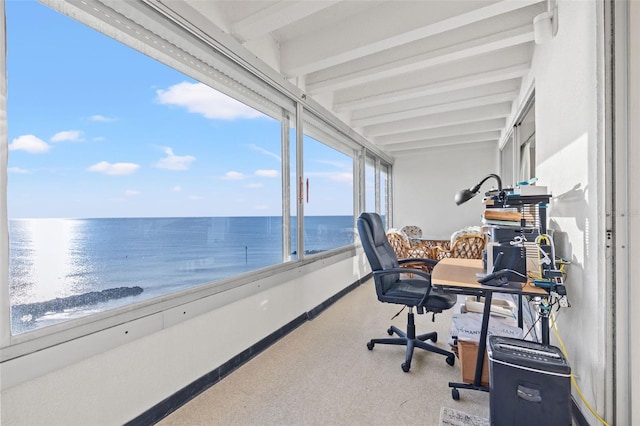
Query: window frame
513, 140
245, 72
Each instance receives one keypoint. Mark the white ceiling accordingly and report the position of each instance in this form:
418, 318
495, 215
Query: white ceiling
405, 74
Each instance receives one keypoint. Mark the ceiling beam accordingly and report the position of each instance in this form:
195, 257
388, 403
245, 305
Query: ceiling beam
276, 16
441, 132
299, 59
489, 145
435, 88
435, 121
436, 109
411, 147
472, 48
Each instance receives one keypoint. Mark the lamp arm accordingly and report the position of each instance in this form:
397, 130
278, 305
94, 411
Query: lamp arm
477, 187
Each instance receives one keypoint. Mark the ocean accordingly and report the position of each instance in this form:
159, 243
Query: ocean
60, 269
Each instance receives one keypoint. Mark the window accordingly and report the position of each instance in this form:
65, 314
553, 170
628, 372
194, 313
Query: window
327, 188
384, 194
517, 156
139, 173
370, 184
506, 162
527, 138
144, 184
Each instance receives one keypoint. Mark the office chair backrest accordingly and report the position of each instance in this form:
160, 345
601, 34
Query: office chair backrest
377, 248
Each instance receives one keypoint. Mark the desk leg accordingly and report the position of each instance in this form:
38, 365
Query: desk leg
520, 320
544, 324
482, 345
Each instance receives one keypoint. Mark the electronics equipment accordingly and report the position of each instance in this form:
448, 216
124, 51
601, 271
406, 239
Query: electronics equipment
511, 258
528, 382
495, 279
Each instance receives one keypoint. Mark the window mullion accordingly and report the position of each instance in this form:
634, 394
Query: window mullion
5, 311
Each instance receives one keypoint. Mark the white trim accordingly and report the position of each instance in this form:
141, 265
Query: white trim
627, 219
5, 312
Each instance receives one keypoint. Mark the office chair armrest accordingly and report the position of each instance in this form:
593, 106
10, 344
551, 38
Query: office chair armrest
405, 271
429, 262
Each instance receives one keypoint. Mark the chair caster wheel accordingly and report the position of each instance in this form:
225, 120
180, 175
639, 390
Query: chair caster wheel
434, 339
390, 331
455, 394
451, 360
406, 367
370, 345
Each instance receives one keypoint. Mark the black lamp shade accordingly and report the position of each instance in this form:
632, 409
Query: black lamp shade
465, 195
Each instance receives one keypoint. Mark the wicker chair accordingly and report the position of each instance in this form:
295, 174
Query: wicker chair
466, 245
404, 250
413, 233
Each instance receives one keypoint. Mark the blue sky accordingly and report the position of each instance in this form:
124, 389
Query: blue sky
97, 129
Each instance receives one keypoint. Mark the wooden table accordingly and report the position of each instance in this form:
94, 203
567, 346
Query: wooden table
460, 276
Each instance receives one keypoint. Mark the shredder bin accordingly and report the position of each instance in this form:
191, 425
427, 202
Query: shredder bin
530, 383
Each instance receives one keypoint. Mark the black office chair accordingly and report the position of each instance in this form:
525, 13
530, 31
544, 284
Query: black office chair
392, 287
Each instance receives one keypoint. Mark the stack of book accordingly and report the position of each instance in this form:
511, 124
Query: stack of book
506, 217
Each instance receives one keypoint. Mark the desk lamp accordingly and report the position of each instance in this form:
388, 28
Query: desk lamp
466, 194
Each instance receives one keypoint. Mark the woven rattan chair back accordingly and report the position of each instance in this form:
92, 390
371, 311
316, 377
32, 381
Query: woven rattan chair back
399, 244
465, 246
468, 247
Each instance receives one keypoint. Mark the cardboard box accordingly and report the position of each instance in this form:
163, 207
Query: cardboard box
468, 352
467, 327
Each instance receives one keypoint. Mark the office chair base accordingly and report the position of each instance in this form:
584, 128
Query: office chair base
411, 341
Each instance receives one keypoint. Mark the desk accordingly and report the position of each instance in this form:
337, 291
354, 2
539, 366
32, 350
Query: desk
459, 276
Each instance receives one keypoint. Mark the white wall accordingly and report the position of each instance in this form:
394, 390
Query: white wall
425, 184
568, 76
569, 84
116, 386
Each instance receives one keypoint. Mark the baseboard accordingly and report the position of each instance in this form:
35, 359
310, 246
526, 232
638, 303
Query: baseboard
184, 395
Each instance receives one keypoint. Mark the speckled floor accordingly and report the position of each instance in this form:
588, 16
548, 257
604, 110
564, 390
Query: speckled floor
323, 374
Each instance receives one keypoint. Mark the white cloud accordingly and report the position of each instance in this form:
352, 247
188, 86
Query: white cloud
30, 144
175, 162
177, 188
265, 152
267, 173
18, 170
114, 169
196, 197
201, 99
68, 136
101, 118
233, 176
254, 185
131, 192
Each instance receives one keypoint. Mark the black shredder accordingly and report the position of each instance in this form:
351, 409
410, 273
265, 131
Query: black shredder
530, 383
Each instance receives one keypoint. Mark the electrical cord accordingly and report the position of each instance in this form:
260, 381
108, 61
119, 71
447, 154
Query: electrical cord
573, 379
531, 329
